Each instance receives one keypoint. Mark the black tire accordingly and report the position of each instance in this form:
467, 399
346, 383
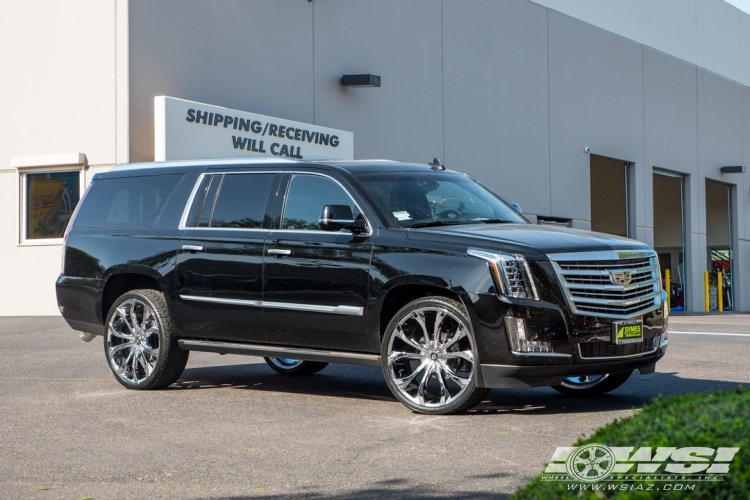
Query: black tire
609, 382
153, 332
287, 366
438, 359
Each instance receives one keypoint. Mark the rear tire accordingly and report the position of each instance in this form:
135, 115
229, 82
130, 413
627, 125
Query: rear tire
429, 357
592, 385
141, 343
286, 366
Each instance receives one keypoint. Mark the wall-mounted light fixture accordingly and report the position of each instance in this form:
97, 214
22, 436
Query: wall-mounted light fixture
360, 81
736, 169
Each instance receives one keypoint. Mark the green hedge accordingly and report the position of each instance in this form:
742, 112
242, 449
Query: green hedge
713, 420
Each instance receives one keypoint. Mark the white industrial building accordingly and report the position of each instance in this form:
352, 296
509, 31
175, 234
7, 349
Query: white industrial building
611, 115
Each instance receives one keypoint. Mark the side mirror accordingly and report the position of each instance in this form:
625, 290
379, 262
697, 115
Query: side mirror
517, 207
338, 217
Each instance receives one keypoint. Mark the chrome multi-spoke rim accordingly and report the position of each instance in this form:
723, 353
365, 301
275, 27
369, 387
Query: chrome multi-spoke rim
431, 357
584, 381
133, 341
286, 363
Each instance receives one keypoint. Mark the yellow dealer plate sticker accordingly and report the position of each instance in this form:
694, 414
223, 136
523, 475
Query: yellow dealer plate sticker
627, 332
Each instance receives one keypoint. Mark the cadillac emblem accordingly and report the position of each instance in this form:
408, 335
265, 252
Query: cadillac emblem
620, 277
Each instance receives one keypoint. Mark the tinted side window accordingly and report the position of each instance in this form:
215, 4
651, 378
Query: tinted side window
307, 196
126, 202
242, 200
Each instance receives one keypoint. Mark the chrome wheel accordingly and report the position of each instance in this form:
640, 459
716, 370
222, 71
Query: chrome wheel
291, 366
592, 385
584, 381
133, 341
430, 357
286, 363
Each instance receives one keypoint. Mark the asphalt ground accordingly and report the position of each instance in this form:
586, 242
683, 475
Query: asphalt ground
232, 428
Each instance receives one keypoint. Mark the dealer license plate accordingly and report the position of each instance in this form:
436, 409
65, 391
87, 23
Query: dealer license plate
627, 332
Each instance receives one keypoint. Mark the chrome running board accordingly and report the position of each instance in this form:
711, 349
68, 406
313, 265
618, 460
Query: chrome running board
272, 351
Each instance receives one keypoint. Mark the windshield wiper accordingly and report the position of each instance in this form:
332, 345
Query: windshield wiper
495, 221
434, 223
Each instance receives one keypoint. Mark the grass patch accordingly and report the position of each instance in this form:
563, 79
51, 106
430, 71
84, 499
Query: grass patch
712, 420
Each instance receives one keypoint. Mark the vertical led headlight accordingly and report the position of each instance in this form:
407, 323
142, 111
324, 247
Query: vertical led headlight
510, 272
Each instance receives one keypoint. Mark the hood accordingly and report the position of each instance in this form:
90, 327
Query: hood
530, 240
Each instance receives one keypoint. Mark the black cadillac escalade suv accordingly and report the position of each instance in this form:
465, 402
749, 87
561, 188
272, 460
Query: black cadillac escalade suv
414, 268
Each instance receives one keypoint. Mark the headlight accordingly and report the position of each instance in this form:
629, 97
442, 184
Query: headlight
511, 273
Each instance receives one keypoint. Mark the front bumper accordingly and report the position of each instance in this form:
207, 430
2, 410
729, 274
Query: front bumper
509, 376
581, 344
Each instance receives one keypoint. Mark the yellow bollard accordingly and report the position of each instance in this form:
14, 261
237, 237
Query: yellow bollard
720, 291
668, 288
705, 291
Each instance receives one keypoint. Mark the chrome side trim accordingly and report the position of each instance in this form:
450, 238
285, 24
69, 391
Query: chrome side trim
207, 228
355, 358
236, 302
542, 354
604, 358
345, 310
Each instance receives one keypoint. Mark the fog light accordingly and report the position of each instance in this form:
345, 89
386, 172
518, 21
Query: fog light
516, 328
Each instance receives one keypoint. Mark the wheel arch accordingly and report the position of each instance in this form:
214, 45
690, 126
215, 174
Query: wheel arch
401, 293
120, 281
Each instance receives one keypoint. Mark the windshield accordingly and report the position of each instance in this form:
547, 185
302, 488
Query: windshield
419, 199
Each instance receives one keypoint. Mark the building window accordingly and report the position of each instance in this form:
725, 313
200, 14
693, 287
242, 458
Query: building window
49, 199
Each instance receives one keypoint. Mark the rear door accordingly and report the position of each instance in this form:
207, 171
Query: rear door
219, 270
315, 292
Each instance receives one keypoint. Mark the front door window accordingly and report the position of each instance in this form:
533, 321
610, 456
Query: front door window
307, 196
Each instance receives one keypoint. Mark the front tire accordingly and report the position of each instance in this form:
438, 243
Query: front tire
592, 385
429, 357
287, 366
141, 342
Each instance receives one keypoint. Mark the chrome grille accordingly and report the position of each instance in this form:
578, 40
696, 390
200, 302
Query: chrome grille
610, 284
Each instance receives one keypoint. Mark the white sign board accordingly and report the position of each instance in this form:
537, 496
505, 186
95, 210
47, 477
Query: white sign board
188, 130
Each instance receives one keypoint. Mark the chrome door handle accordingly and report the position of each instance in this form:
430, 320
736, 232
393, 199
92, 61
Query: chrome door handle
192, 248
279, 251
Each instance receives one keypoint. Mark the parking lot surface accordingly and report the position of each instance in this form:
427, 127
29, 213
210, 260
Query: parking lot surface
232, 428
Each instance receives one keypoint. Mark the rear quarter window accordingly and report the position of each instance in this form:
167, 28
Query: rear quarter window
126, 202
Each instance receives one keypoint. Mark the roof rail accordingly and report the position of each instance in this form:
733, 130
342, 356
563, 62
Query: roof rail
190, 163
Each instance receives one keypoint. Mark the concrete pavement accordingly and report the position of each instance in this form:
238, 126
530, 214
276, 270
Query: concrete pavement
232, 428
